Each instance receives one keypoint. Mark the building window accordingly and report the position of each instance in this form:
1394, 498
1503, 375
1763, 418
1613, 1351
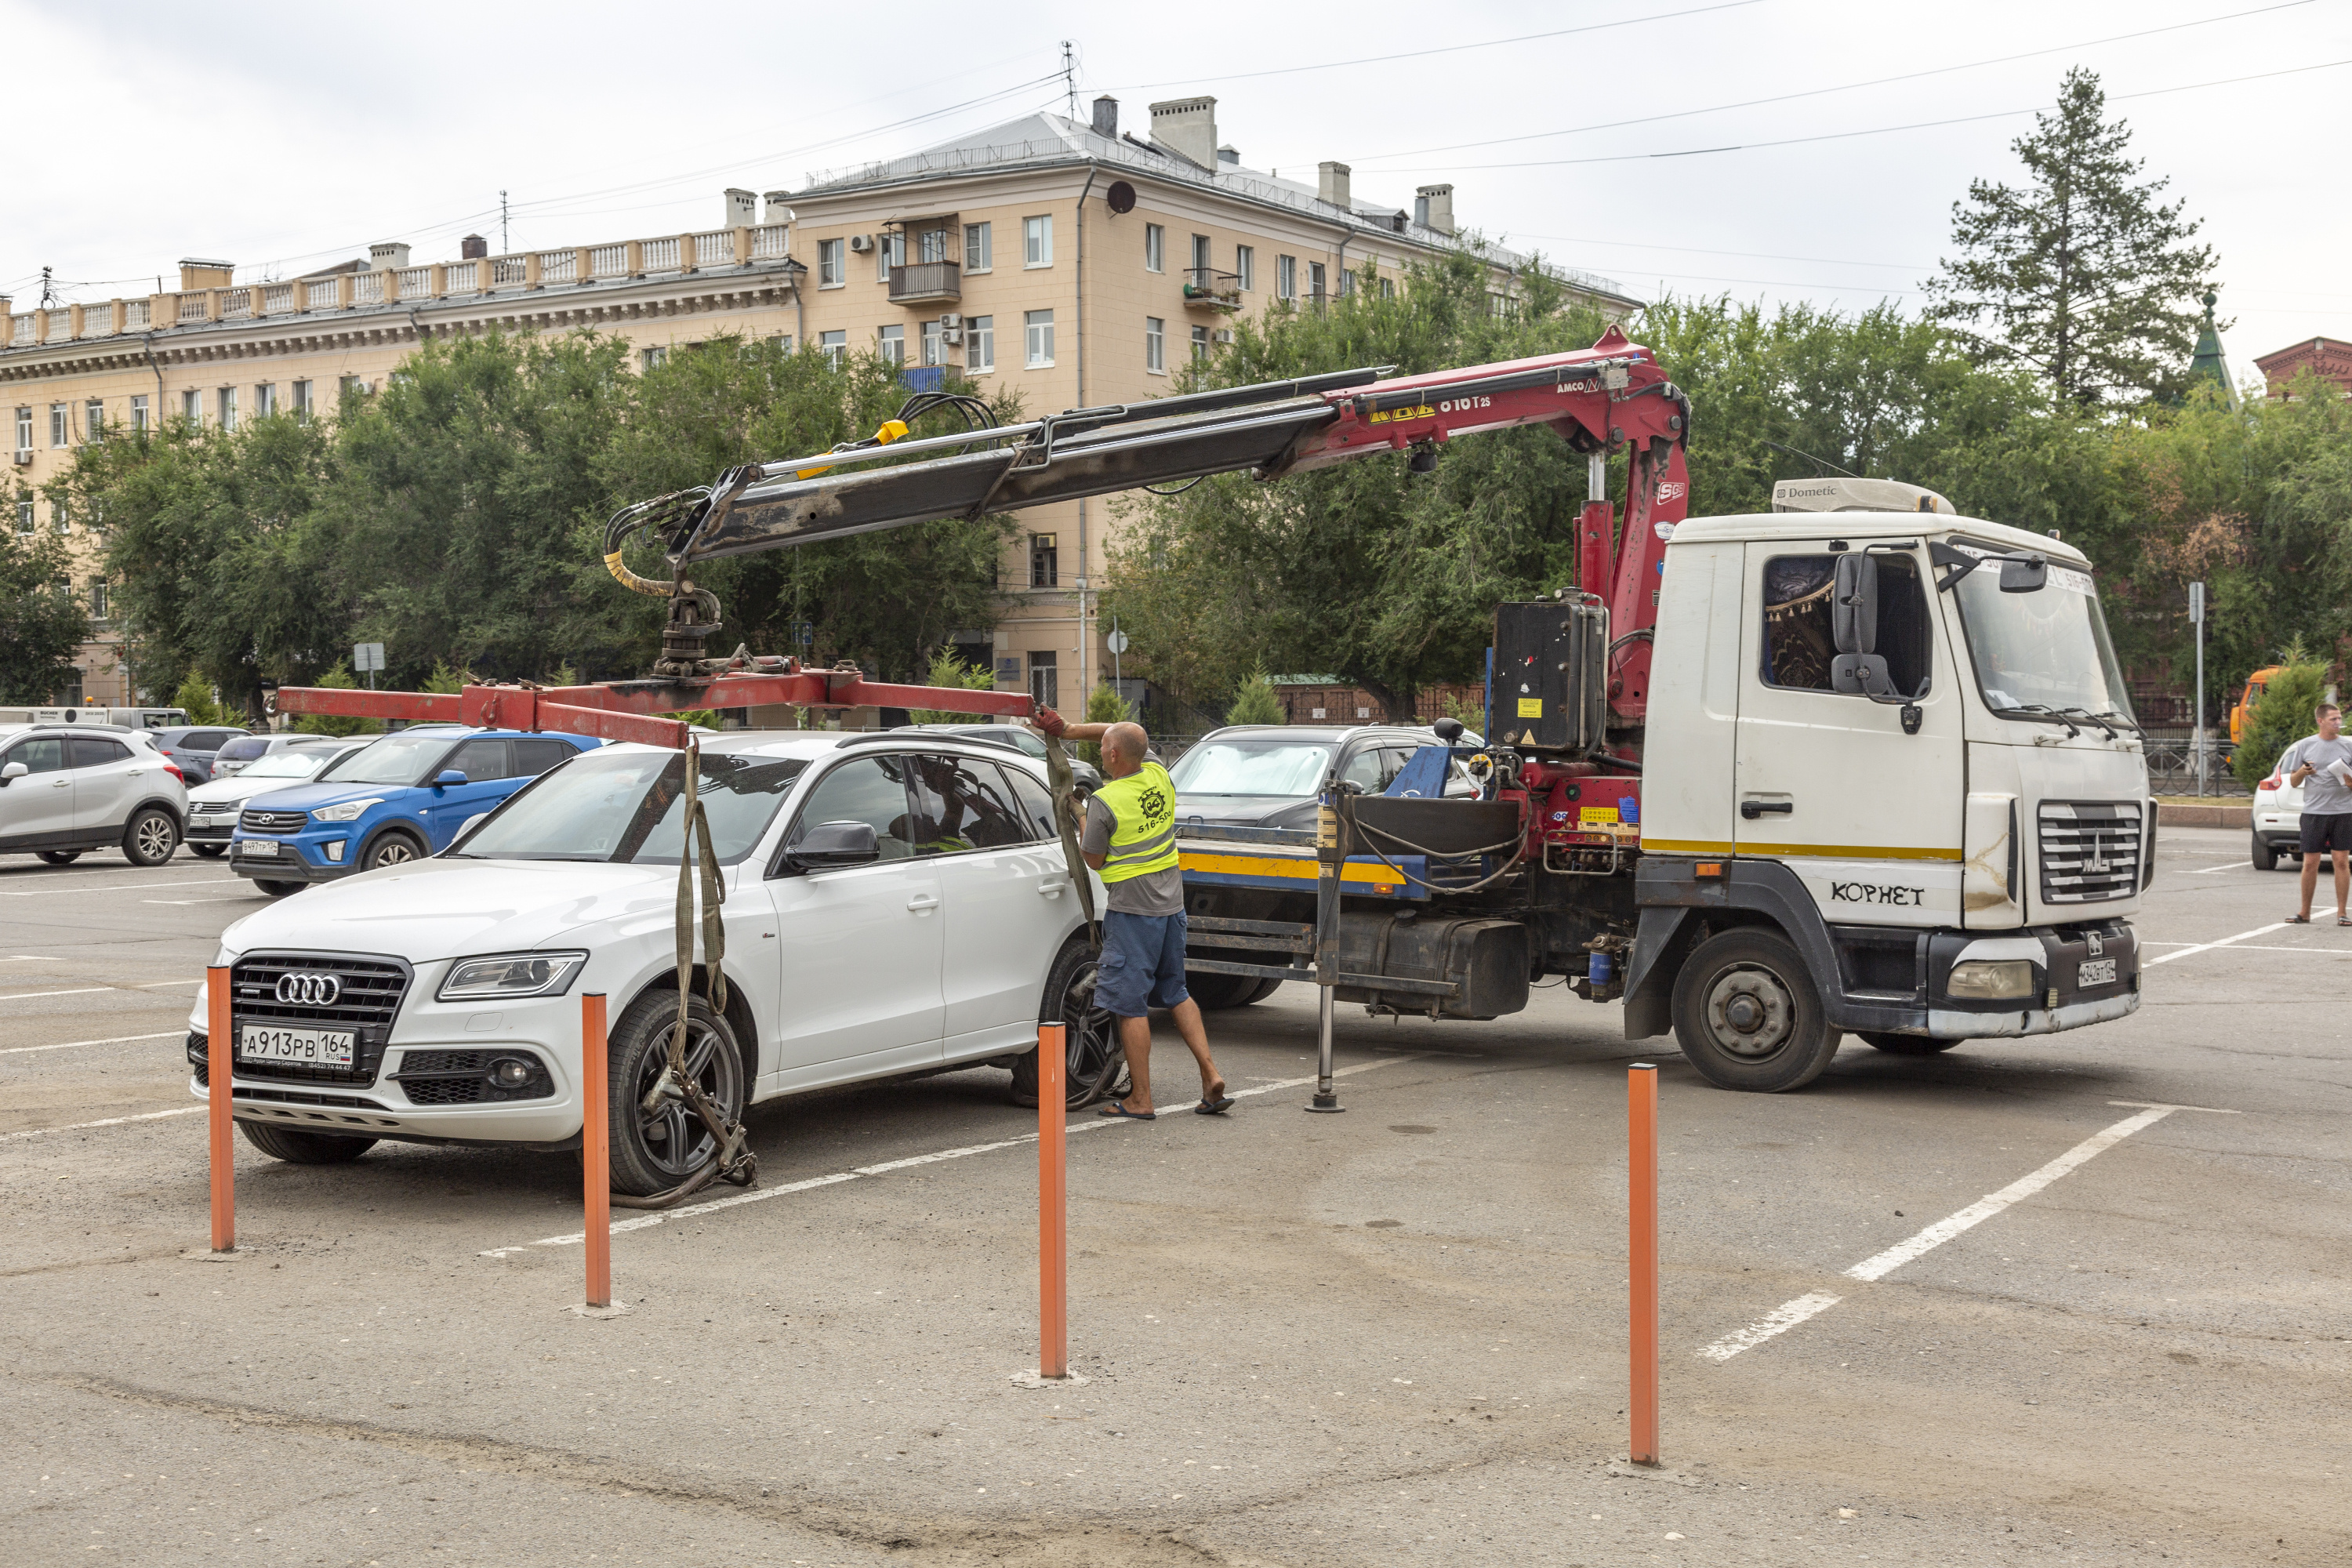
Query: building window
1200, 342
1285, 277
93, 419
828, 264
979, 247
24, 515
1347, 281
1315, 281
890, 250
893, 345
1044, 679
1038, 241
139, 413
62, 521
1245, 265
1155, 247
192, 405
978, 344
228, 407
1201, 265
1155, 343
931, 244
97, 598
1040, 324
1497, 305
60, 426
24, 429
935, 348
652, 359
1044, 561
835, 346
265, 400
346, 386
302, 404
782, 343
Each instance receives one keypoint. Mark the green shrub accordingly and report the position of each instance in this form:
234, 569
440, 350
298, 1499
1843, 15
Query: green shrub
2282, 717
194, 698
1254, 702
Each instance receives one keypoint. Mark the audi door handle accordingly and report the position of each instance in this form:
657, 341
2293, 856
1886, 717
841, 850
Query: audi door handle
62, 784
922, 901
1752, 809
1051, 889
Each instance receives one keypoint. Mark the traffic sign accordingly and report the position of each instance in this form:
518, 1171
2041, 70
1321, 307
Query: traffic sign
1116, 642
367, 656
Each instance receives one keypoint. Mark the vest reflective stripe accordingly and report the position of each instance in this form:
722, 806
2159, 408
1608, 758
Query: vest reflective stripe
1143, 824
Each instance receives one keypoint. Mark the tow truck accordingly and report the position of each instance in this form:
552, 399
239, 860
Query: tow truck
1859, 764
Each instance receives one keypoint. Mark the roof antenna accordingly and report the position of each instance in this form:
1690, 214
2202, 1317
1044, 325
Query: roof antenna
1817, 462
503, 247
1070, 79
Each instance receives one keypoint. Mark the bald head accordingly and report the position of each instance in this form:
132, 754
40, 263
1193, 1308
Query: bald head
1123, 749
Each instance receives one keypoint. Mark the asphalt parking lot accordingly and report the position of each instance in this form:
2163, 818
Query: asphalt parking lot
1390, 1336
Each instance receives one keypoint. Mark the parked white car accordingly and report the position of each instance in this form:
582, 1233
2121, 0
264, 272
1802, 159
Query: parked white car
66, 791
2278, 821
896, 903
213, 807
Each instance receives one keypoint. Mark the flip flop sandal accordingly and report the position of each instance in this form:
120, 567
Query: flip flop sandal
2298, 920
2344, 921
1224, 1103
1120, 1112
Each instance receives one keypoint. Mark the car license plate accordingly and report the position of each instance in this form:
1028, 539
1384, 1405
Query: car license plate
310, 1048
2095, 972
266, 848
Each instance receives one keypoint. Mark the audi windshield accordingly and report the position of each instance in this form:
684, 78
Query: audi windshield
630, 806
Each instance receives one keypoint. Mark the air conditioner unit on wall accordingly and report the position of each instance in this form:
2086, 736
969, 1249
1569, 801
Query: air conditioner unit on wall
950, 321
23, 457
861, 243
952, 334
1222, 335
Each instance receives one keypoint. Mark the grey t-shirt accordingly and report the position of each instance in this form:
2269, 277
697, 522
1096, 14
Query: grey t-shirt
2323, 794
1153, 893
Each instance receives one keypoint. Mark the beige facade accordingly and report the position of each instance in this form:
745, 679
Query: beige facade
1066, 262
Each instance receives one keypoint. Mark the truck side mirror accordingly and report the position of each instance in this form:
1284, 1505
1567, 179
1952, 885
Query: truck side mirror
2024, 573
1854, 606
1448, 729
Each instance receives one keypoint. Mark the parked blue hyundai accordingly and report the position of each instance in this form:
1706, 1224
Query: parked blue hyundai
397, 800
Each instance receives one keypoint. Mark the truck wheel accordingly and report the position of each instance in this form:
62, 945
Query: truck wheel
2266, 859
1215, 992
1091, 1033
1906, 1045
151, 837
655, 1150
296, 1147
1747, 1017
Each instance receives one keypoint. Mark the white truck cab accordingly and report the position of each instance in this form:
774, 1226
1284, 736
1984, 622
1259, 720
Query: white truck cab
1893, 748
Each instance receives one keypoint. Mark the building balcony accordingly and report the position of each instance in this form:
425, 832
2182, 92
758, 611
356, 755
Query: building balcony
1209, 289
924, 282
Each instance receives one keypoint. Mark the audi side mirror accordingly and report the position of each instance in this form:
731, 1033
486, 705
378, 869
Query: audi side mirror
448, 778
12, 773
2024, 573
1853, 604
832, 844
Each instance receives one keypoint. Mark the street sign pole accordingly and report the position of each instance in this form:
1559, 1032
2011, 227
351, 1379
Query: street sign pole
2196, 619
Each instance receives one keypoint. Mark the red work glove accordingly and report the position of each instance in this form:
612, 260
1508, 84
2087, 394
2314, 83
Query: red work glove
1048, 723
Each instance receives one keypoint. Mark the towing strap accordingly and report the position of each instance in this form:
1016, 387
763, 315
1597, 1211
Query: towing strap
1066, 818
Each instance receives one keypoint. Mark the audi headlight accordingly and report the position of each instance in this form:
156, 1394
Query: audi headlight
1983, 980
508, 976
349, 811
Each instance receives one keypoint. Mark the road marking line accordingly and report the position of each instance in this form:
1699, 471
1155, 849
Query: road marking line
2210, 946
110, 1121
646, 1222
227, 899
2163, 1105
30, 957
1790, 1314
2208, 870
153, 984
113, 888
70, 1045
30, 995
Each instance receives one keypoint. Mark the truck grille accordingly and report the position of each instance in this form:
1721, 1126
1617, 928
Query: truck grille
2090, 850
369, 992
275, 821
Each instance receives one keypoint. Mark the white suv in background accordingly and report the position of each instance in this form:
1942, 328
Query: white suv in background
64, 790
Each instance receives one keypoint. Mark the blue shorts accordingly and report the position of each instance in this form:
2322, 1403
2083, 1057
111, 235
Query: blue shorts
1142, 963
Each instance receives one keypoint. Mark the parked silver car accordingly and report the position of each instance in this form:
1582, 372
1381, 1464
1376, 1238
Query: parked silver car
68, 790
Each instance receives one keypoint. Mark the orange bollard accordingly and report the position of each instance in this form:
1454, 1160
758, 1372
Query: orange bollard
220, 1067
1641, 1205
596, 1147
1053, 1202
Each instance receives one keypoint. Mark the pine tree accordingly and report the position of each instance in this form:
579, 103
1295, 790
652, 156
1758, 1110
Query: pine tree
1255, 703
2081, 277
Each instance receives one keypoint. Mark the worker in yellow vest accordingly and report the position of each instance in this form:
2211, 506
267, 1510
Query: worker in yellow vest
1130, 839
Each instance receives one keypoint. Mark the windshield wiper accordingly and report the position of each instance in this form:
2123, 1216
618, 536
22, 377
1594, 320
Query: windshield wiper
2090, 718
2121, 719
2043, 711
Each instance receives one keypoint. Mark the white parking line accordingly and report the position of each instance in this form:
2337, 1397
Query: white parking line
30, 995
110, 1121
111, 886
224, 899
2208, 870
1790, 1314
73, 1045
646, 1222
2225, 941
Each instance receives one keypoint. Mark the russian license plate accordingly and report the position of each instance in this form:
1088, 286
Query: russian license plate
266, 848
309, 1048
2095, 972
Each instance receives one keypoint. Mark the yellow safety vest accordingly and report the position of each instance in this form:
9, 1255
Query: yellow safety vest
1143, 823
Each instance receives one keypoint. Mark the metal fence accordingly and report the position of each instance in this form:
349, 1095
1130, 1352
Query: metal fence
2172, 767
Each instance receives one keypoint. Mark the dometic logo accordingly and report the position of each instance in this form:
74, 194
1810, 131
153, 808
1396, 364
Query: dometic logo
308, 988
1872, 893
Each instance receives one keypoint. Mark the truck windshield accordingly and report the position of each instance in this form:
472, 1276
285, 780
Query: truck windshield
1252, 766
2042, 654
628, 806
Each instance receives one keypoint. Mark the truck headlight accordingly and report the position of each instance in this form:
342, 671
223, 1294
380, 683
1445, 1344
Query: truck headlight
1990, 980
349, 811
508, 976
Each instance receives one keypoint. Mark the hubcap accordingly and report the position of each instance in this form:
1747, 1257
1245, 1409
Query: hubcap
1749, 1013
154, 837
676, 1143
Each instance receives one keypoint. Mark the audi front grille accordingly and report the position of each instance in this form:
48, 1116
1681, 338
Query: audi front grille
285, 988
2090, 850
275, 821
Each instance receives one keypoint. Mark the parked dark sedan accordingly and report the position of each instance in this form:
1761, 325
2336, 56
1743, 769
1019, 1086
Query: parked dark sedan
194, 747
1020, 738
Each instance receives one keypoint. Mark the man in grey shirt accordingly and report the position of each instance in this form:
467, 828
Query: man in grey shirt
2322, 766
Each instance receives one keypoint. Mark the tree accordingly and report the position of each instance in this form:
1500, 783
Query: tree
1254, 702
949, 669
194, 698
2082, 276
41, 623
1104, 706
338, 678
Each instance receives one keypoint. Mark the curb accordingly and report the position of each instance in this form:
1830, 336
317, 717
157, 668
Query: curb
2170, 816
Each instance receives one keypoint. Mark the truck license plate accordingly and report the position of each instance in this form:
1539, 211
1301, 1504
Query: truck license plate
264, 846
2095, 972
310, 1048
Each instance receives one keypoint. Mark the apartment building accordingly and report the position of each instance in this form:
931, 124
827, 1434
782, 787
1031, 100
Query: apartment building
1077, 263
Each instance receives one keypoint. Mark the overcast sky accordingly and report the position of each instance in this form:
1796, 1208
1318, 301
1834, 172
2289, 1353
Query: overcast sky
285, 137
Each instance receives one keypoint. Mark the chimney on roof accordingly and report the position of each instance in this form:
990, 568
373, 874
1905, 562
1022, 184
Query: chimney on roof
1432, 207
742, 209
389, 256
200, 274
473, 247
1107, 117
1187, 128
1229, 157
778, 211
1331, 185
